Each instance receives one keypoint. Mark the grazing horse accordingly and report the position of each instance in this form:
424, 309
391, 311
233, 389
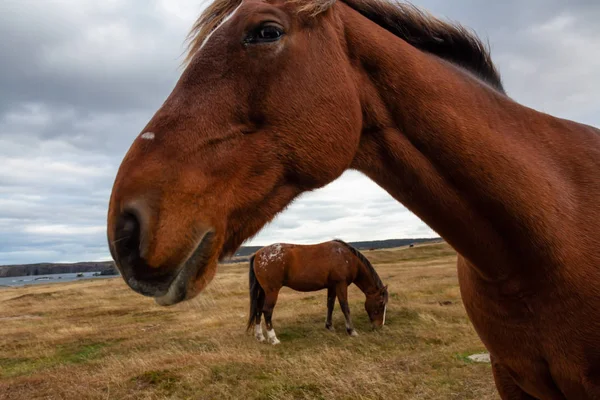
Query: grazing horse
332, 265
281, 97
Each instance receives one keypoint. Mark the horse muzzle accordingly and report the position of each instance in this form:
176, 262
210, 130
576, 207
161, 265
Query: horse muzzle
167, 285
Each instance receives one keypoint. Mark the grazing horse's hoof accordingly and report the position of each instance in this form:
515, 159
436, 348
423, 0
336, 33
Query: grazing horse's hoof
260, 338
353, 333
274, 341
330, 328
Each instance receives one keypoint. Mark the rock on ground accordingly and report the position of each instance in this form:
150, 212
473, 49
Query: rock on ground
480, 358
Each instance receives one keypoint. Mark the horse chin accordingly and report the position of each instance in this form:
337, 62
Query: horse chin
193, 269
377, 325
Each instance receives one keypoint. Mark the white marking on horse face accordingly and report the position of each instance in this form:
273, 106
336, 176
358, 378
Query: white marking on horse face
147, 135
272, 337
384, 311
227, 18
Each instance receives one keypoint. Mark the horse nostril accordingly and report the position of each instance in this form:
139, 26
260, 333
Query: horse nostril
129, 248
127, 237
130, 225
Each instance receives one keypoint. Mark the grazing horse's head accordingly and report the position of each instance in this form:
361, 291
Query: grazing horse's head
376, 306
267, 108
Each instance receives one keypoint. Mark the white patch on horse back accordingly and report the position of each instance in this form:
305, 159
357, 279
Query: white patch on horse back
274, 252
384, 311
272, 337
147, 135
258, 333
227, 18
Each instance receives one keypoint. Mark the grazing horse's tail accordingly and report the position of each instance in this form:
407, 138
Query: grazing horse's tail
257, 294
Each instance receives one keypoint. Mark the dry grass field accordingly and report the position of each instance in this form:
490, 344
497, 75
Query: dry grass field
99, 340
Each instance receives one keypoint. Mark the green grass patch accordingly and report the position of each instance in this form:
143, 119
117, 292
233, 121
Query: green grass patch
291, 333
194, 344
162, 380
73, 353
291, 391
79, 353
403, 315
234, 372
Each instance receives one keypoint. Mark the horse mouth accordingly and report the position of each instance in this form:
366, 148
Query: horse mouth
192, 268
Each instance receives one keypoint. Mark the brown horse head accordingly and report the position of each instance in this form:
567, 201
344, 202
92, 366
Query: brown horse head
376, 307
265, 110
276, 99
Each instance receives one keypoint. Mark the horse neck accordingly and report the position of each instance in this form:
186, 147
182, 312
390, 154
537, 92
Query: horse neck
365, 280
475, 166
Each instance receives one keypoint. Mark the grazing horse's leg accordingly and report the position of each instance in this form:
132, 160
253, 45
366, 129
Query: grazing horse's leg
270, 300
507, 387
330, 305
258, 333
342, 295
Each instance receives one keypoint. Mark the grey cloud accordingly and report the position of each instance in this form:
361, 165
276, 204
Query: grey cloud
544, 49
106, 134
79, 80
98, 55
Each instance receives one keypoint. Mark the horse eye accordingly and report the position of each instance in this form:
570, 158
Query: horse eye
269, 33
265, 34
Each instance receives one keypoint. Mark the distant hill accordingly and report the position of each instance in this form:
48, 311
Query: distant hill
107, 267
366, 245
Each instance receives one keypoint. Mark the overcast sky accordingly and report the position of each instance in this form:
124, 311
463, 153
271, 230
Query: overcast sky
80, 78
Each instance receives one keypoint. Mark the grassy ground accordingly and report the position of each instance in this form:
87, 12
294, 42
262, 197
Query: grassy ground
99, 340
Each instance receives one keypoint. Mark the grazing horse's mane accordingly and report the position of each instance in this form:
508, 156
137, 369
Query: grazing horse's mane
365, 261
449, 41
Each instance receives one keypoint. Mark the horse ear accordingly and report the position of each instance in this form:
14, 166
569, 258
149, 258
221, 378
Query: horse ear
383, 291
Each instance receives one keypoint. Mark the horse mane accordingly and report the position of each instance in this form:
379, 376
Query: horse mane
449, 41
365, 261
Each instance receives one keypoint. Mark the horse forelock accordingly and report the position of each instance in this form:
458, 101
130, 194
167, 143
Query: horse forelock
219, 10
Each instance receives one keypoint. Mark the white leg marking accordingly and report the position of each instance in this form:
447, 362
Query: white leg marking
384, 311
353, 331
258, 333
227, 18
272, 337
